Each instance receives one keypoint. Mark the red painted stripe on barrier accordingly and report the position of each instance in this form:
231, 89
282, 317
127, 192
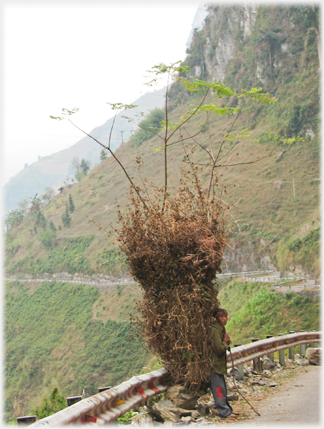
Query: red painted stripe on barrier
90, 419
151, 386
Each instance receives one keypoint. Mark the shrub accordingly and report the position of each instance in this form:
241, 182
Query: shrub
48, 239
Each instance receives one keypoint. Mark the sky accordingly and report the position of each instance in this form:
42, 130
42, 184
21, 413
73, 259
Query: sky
84, 54
78, 54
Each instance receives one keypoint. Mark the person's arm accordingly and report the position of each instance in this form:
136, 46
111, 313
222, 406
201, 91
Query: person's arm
219, 347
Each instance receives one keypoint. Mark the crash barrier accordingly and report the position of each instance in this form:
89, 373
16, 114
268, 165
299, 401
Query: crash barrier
107, 406
253, 351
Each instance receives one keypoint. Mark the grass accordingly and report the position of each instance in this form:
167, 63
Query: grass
255, 311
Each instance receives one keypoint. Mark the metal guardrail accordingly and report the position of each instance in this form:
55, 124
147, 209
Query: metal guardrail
248, 352
107, 406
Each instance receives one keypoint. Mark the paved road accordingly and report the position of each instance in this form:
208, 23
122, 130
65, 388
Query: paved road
297, 402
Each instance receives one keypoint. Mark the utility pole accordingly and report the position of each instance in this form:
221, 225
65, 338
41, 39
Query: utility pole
122, 136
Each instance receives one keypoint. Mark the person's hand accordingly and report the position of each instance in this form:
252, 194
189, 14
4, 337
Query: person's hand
227, 338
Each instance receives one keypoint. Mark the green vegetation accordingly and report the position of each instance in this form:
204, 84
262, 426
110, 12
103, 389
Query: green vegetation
255, 311
71, 204
66, 255
66, 218
52, 339
81, 168
151, 124
112, 261
50, 405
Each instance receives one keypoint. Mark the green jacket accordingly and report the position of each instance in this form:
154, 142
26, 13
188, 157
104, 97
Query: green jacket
219, 346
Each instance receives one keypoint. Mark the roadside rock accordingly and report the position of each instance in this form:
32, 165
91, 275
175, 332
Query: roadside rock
236, 373
302, 361
142, 419
313, 355
268, 364
182, 397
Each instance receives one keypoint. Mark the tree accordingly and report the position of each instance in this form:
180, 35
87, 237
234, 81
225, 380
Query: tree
48, 239
103, 155
85, 166
50, 405
35, 203
52, 226
272, 40
148, 127
66, 218
41, 220
24, 205
49, 194
13, 219
81, 167
71, 204
174, 239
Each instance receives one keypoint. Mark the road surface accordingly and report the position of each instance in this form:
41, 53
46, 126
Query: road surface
296, 402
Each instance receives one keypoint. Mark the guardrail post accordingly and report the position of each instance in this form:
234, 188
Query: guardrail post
240, 367
26, 420
314, 345
282, 356
257, 366
72, 400
102, 389
292, 349
302, 347
270, 355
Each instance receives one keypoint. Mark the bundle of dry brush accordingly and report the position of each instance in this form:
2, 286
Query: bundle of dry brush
174, 253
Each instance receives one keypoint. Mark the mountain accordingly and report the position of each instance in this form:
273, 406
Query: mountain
269, 180
50, 171
273, 188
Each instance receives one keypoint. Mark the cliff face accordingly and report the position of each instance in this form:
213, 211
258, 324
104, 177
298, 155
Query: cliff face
222, 25
276, 48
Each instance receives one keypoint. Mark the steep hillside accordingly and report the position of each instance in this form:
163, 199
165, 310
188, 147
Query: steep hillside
51, 170
83, 339
274, 218
73, 337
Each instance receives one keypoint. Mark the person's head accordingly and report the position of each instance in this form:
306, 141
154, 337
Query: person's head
221, 316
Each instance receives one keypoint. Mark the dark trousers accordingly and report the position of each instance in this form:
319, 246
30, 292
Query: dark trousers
218, 387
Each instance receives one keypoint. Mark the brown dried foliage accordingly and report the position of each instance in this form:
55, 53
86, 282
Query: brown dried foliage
174, 250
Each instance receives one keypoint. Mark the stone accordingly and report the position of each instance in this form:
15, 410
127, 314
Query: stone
236, 373
248, 371
268, 364
164, 410
313, 355
278, 184
142, 419
302, 362
232, 397
181, 397
203, 407
186, 419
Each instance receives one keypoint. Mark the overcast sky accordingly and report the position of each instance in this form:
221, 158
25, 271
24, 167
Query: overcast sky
83, 54
79, 54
